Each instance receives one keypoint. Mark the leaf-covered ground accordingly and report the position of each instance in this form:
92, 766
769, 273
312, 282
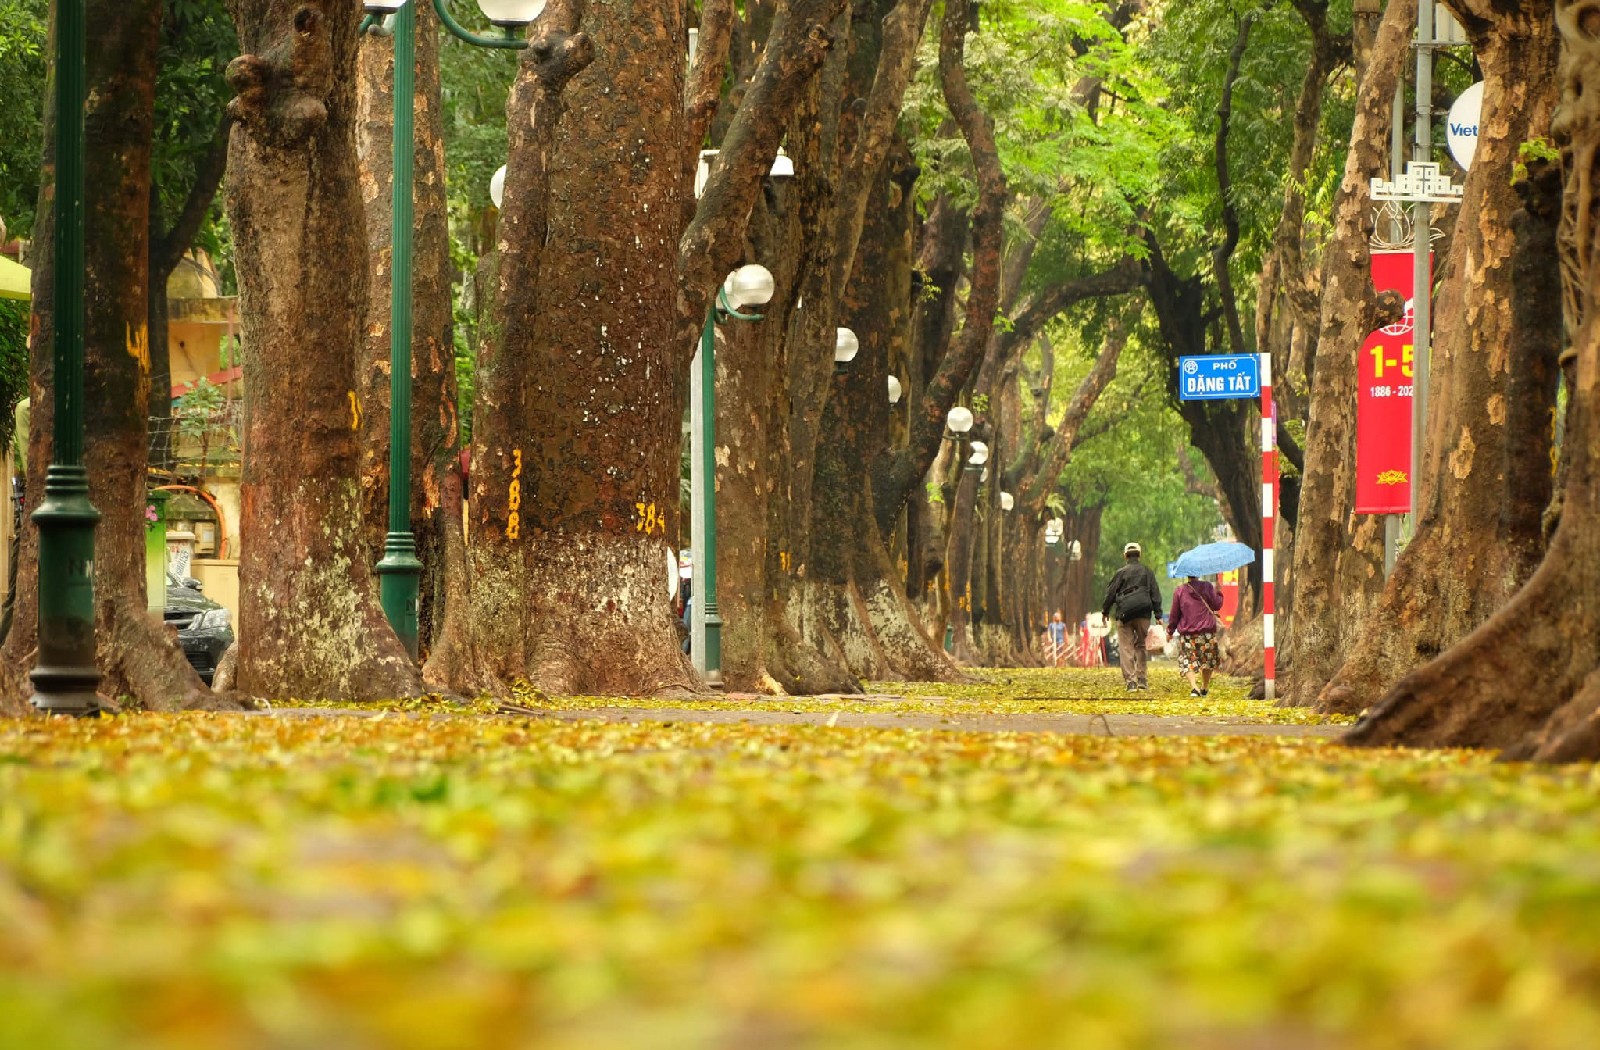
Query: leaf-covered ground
1010, 691
255, 881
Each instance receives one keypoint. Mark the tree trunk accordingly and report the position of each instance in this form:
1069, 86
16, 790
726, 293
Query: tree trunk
310, 625
874, 623
1525, 681
1338, 558
1479, 535
138, 656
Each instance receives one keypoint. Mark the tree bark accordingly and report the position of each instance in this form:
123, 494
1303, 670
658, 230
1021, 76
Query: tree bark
1525, 681
1495, 364
1338, 558
138, 656
310, 625
816, 607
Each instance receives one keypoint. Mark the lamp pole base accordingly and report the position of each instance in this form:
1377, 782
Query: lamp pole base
713, 657
66, 691
398, 587
65, 678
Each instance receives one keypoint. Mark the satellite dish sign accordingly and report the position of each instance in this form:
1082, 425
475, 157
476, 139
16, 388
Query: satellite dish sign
1461, 133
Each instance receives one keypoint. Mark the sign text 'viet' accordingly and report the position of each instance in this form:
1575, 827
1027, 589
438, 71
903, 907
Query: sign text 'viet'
1217, 377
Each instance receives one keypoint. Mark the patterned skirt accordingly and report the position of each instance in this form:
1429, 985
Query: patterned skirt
1198, 652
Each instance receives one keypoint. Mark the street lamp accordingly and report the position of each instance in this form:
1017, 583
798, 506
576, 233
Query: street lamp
399, 569
894, 391
65, 678
845, 348
959, 421
782, 165
979, 456
1007, 501
750, 285
511, 14
497, 186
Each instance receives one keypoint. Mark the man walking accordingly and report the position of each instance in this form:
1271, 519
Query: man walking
1135, 596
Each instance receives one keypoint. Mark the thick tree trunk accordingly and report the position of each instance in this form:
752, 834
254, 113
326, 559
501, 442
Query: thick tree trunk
310, 626
874, 623
138, 656
813, 601
1495, 364
1338, 557
1526, 680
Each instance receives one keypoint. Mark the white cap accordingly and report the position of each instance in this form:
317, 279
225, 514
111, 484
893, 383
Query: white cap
1132, 548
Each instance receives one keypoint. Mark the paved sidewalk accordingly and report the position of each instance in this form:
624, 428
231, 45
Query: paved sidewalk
1094, 725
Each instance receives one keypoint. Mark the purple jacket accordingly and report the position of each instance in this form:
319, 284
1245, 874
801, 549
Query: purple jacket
1192, 606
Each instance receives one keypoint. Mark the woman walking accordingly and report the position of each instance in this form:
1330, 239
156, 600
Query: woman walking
1193, 619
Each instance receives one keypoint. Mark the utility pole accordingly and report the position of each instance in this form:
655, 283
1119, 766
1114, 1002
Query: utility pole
1422, 252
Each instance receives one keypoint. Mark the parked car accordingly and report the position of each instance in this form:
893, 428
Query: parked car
205, 628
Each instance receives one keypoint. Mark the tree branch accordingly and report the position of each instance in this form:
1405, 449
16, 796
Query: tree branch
168, 250
702, 91
983, 295
1223, 253
897, 54
1121, 278
796, 48
1037, 491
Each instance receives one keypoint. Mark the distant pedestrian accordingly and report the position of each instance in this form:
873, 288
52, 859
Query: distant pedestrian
1058, 639
1135, 597
1194, 620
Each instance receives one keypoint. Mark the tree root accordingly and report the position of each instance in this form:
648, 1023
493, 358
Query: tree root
1499, 685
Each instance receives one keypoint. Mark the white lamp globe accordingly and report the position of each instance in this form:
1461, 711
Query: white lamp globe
702, 171
845, 346
1007, 501
749, 285
782, 166
984, 476
1077, 550
894, 391
980, 454
497, 187
1056, 525
959, 420
382, 7
511, 14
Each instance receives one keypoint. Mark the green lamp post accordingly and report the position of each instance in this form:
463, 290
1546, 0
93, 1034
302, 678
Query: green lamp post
65, 677
399, 569
747, 286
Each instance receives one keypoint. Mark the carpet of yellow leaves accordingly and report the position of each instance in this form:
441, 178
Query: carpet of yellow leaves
995, 692
222, 881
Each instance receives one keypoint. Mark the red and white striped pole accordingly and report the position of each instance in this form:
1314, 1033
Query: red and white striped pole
1269, 515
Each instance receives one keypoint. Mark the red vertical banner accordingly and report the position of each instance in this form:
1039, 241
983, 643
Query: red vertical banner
1383, 422
1383, 399
1228, 584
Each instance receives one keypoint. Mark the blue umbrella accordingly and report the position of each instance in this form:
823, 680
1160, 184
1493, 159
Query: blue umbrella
1208, 559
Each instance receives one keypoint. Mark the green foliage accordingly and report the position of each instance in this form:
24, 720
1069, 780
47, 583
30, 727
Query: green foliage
1537, 150
197, 43
1131, 461
1026, 66
23, 63
475, 84
14, 323
428, 882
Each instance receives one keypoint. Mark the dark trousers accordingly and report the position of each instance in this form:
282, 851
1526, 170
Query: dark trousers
1130, 650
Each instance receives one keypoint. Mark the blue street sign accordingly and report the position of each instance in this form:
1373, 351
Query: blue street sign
1218, 377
